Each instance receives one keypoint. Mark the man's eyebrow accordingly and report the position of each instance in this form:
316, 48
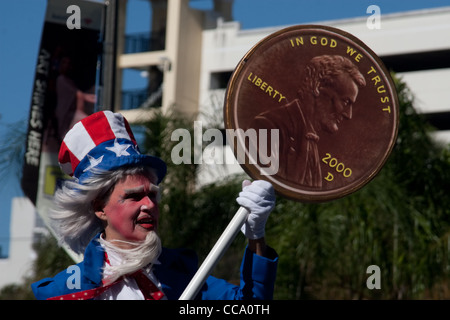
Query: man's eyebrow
134, 190
141, 189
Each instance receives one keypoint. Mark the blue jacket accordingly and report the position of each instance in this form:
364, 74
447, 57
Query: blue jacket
177, 268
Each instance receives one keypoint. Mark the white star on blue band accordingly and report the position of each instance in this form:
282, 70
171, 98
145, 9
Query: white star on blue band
93, 162
119, 149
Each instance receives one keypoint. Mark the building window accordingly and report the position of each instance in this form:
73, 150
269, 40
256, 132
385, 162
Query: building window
145, 28
144, 42
142, 88
219, 80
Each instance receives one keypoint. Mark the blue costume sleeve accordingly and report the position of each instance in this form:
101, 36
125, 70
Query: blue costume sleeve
257, 280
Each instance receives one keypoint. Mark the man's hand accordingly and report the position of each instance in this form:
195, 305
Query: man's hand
258, 198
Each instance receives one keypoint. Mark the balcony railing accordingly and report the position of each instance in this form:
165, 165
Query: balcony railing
144, 42
137, 98
132, 99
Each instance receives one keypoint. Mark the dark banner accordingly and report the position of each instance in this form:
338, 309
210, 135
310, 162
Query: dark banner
63, 90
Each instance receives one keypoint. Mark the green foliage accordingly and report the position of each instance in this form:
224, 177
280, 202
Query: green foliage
399, 221
50, 260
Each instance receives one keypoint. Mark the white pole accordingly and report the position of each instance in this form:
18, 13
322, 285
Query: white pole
216, 253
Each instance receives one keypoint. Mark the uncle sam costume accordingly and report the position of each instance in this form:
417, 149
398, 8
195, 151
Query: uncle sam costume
105, 141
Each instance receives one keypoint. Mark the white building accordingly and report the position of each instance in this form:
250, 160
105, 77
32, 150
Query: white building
23, 227
201, 49
414, 44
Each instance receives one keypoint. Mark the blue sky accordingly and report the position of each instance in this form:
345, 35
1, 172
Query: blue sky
21, 24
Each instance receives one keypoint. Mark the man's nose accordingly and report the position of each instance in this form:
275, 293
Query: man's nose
148, 202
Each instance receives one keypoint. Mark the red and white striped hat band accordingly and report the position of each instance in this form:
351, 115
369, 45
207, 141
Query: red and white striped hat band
104, 141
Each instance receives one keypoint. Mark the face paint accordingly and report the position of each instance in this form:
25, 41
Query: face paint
132, 210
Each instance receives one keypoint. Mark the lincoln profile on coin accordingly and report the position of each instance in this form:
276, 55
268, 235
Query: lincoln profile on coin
327, 92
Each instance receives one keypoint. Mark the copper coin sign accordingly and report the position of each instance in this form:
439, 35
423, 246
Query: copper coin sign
313, 110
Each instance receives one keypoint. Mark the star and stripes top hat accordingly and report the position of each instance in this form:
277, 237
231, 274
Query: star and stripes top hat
104, 141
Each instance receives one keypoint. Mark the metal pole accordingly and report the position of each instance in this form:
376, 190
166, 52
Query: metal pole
215, 255
109, 56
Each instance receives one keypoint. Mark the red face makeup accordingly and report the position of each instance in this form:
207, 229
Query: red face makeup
132, 210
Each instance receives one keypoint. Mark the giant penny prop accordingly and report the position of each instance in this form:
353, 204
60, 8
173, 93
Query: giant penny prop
313, 110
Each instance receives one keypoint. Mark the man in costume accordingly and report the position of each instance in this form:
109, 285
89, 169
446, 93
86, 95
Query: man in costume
110, 212
325, 98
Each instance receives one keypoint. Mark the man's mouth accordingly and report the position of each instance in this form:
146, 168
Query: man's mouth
146, 222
